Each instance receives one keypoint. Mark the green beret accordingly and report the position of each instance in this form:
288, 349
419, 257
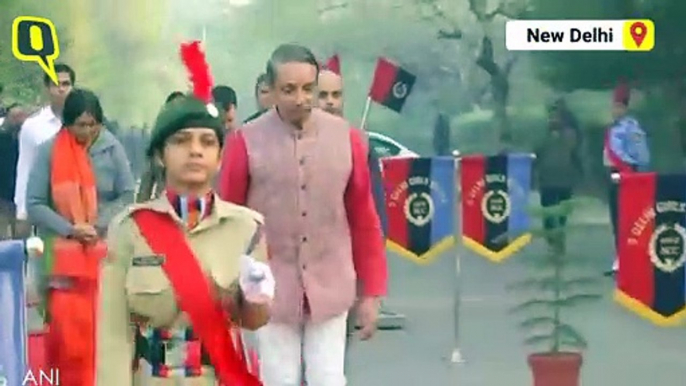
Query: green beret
181, 113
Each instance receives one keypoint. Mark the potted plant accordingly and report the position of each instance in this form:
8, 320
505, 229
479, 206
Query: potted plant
556, 285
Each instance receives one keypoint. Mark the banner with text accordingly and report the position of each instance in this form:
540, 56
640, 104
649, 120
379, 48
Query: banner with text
651, 236
495, 196
420, 201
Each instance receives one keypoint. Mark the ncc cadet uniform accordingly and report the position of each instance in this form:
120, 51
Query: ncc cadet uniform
137, 290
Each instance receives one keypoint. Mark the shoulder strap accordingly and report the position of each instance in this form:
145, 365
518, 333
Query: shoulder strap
195, 296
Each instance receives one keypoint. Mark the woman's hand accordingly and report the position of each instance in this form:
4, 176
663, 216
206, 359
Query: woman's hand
85, 233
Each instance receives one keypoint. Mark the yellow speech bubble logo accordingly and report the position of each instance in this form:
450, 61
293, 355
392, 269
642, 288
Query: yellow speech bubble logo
34, 39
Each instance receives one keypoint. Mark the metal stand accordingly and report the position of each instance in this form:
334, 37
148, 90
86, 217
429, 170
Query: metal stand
456, 356
390, 320
365, 113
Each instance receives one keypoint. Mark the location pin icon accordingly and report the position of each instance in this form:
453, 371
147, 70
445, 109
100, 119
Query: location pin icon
638, 32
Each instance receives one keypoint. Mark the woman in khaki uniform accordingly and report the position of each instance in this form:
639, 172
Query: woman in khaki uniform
188, 268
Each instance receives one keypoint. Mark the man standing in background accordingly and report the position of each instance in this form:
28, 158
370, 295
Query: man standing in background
331, 99
625, 151
37, 129
263, 97
225, 99
9, 153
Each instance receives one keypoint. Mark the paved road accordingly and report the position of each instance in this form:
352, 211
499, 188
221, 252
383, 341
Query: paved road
624, 349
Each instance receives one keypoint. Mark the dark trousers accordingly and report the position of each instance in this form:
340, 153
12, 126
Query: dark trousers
7, 220
552, 196
613, 203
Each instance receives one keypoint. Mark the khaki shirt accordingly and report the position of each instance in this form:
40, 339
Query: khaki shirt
138, 292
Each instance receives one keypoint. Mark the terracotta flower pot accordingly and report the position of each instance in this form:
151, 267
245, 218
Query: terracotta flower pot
556, 369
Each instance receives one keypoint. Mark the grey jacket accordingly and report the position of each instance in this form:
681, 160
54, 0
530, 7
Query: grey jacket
115, 186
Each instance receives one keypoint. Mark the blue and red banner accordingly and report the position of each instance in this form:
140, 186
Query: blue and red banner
13, 355
495, 195
420, 202
651, 246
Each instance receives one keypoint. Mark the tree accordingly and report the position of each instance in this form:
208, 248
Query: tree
663, 67
22, 80
486, 58
557, 281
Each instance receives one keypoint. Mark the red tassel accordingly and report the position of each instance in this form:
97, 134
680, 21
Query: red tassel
198, 70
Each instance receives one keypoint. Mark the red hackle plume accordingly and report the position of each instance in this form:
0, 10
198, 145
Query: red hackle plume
198, 70
333, 64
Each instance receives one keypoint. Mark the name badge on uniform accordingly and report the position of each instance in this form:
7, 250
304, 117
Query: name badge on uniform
148, 261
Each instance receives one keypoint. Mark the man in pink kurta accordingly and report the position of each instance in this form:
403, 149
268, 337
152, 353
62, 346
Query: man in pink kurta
290, 165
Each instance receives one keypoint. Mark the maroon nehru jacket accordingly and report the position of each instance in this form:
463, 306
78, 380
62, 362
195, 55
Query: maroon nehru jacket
313, 187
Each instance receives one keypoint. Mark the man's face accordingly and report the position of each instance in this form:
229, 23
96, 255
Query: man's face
293, 90
264, 96
16, 117
230, 118
330, 96
618, 110
191, 156
58, 92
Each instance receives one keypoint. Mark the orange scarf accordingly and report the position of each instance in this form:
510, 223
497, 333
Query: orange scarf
72, 180
72, 297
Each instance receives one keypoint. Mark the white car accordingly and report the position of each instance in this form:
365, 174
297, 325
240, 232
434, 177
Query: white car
386, 147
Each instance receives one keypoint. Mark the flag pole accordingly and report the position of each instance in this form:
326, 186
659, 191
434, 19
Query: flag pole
456, 356
365, 113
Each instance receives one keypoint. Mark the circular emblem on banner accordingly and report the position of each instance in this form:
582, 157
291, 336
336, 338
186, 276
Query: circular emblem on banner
399, 90
419, 209
496, 206
667, 247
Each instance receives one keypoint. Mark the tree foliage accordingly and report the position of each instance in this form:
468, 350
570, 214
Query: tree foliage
568, 71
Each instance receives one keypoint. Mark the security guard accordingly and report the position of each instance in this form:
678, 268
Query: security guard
187, 268
625, 151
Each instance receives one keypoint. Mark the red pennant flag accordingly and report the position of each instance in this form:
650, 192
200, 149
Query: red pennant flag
651, 246
495, 191
333, 64
421, 206
392, 85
